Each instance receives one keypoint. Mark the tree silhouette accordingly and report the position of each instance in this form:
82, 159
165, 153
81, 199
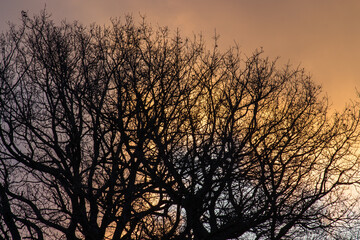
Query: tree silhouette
125, 132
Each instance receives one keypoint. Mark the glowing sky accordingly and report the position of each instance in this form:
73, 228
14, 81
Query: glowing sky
323, 35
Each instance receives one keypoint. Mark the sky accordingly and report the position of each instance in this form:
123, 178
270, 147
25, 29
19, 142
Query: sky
322, 36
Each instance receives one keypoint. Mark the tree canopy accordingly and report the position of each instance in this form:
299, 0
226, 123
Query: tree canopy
131, 132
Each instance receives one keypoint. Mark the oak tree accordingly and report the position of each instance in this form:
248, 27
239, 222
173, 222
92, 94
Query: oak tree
129, 132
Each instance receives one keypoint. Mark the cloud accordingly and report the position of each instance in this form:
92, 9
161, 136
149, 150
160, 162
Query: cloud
321, 35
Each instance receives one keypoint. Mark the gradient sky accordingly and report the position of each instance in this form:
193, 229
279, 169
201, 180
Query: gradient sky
323, 36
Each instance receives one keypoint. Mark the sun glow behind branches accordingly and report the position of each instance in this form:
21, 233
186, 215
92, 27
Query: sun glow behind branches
165, 119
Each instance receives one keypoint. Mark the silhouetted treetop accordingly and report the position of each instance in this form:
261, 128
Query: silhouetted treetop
130, 132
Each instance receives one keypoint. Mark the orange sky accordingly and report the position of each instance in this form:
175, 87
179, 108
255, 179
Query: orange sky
323, 35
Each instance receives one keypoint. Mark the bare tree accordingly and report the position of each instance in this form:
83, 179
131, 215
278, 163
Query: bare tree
125, 132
